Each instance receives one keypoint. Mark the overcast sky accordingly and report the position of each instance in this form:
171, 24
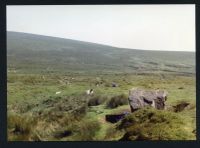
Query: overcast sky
149, 27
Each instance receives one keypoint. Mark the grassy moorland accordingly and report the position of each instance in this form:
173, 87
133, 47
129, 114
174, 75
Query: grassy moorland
39, 66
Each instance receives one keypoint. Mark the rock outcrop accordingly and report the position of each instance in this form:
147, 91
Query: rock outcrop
139, 98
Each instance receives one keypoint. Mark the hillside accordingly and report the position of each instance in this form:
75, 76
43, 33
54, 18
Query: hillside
48, 79
29, 53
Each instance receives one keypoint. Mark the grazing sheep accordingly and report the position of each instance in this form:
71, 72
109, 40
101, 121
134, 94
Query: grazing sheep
89, 91
43, 77
58, 92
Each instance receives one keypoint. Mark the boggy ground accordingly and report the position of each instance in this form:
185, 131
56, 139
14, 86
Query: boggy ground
37, 113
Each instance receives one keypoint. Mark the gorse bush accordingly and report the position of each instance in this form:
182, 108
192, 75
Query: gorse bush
97, 100
152, 124
117, 101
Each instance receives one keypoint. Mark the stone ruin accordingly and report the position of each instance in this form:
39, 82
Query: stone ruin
139, 98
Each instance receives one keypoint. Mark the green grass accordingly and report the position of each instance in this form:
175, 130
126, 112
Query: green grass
40, 66
29, 95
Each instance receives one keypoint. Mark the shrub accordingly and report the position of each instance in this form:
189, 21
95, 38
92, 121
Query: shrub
66, 119
25, 107
80, 112
20, 127
107, 85
87, 129
117, 101
97, 100
152, 124
112, 134
83, 130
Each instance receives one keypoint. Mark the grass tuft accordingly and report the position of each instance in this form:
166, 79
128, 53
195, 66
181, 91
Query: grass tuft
116, 101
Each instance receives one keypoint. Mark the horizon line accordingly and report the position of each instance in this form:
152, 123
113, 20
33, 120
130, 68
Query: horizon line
99, 43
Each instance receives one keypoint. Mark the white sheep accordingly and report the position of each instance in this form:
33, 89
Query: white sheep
58, 92
89, 91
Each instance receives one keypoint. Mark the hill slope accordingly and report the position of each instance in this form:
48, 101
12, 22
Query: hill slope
36, 53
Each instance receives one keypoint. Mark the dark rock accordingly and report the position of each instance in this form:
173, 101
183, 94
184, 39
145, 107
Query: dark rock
181, 88
63, 134
180, 107
114, 85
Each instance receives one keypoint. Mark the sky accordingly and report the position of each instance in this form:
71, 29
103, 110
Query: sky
147, 27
